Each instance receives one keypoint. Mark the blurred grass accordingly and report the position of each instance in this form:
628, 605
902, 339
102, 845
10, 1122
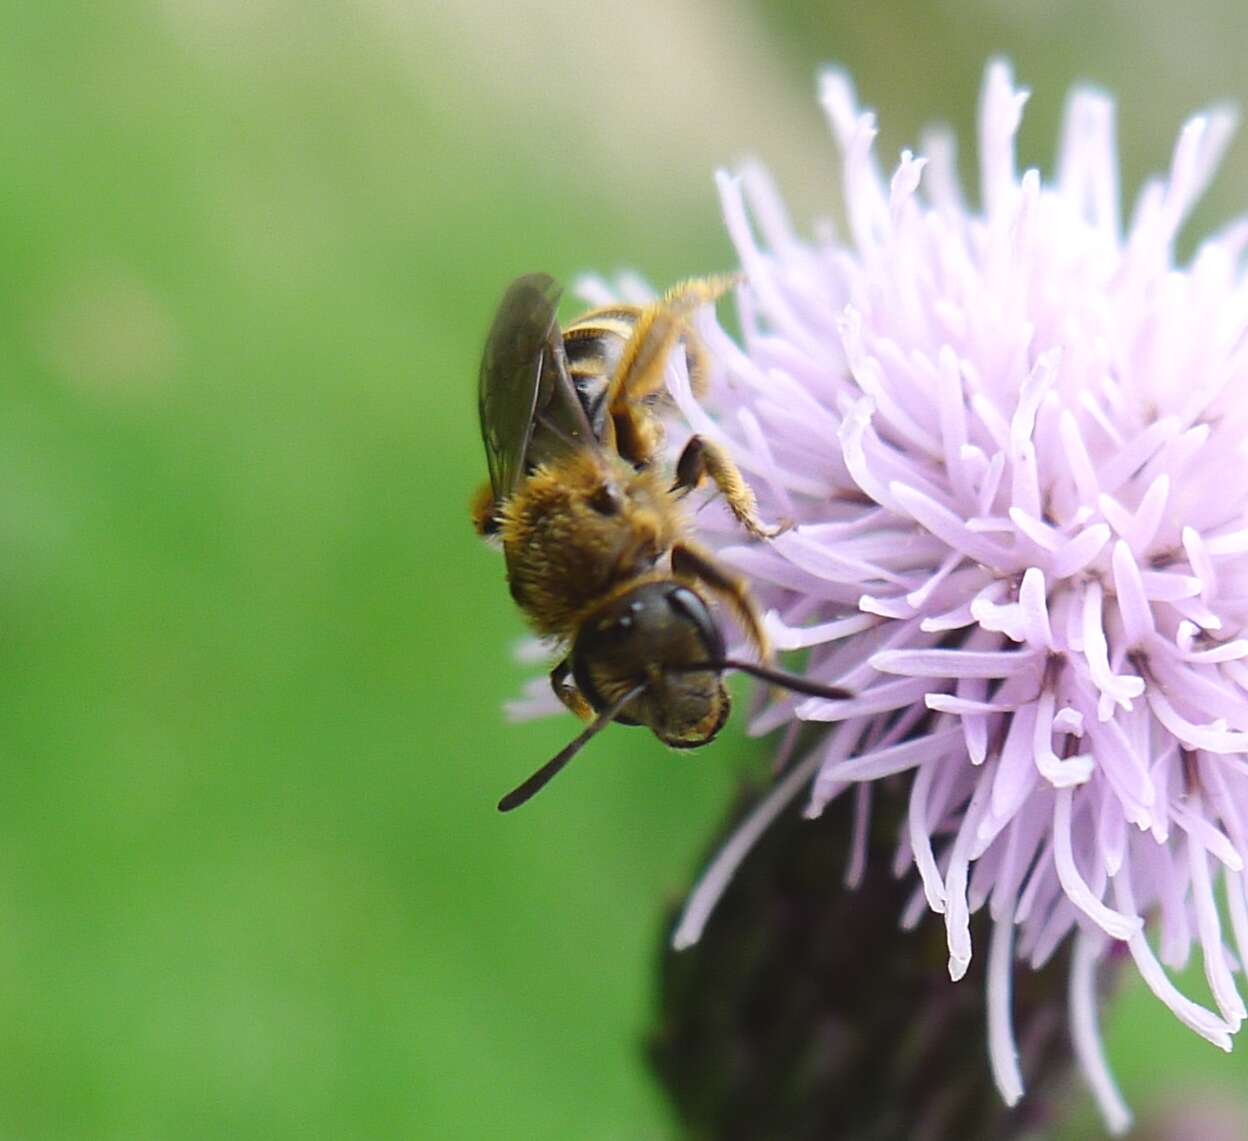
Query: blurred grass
253, 882
251, 879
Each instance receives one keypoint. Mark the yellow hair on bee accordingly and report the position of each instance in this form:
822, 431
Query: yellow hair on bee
578, 527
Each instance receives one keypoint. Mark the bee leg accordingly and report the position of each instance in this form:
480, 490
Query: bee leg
700, 459
484, 511
655, 332
639, 374
566, 691
695, 292
699, 566
698, 362
686, 297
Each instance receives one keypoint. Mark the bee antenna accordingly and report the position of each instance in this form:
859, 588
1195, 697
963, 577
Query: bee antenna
776, 677
526, 791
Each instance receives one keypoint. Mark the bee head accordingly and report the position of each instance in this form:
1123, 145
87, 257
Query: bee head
653, 656
655, 636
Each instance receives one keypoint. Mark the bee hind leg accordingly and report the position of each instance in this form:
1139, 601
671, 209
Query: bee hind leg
697, 291
687, 296
704, 459
658, 328
699, 566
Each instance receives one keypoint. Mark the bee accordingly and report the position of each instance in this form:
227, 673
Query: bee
598, 550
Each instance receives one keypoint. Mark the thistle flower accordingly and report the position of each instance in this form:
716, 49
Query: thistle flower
1012, 442
804, 1013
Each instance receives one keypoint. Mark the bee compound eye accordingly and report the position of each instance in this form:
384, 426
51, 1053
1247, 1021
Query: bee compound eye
687, 604
690, 606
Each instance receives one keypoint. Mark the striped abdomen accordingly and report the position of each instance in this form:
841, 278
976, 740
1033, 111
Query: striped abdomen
594, 343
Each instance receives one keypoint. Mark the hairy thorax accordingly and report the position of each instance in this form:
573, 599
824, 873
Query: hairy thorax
577, 529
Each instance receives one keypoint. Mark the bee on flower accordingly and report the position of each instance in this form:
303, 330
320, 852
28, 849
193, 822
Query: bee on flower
1011, 432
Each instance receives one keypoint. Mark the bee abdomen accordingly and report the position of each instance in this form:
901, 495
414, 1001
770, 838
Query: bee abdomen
593, 349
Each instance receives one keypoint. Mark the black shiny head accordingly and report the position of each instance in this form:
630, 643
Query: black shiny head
651, 636
654, 656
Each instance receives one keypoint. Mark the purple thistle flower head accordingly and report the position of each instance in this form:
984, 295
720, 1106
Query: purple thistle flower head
1012, 440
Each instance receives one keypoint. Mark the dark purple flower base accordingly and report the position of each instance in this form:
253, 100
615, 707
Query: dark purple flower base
805, 1012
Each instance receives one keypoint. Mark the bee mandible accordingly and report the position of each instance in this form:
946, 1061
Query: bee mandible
598, 550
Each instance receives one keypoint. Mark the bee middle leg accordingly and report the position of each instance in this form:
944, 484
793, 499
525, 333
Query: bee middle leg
699, 566
703, 459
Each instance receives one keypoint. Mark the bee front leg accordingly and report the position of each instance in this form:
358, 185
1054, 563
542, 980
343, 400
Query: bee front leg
699, 566
566, 691
702, 459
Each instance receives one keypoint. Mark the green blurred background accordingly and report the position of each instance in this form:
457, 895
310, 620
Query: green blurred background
252, 883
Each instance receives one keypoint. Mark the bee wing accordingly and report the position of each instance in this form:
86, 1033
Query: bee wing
529, 407
510, 371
